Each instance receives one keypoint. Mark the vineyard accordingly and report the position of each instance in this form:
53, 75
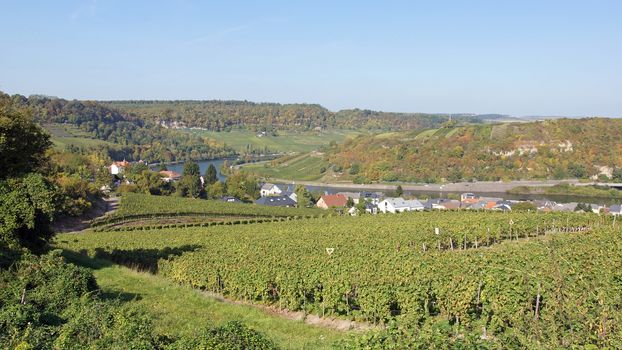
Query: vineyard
145, 211
525, 279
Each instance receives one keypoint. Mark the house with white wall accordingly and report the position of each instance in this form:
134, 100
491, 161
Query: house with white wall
394, 205
269, 189
117, 168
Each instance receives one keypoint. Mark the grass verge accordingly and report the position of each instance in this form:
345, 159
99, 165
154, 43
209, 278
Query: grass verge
182, 310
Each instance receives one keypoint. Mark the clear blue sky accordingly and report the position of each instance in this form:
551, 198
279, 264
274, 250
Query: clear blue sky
520, 57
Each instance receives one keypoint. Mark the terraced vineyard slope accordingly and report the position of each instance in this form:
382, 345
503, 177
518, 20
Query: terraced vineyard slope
487, 279
141, 211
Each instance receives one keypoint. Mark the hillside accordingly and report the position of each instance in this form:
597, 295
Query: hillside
563, 148
525, 289
80, 124
218, 115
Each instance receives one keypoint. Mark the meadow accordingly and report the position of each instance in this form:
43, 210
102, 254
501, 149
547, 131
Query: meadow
304, 167
284, 142
64, 135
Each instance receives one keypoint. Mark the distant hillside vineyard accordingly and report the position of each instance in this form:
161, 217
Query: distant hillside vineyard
563, 148
226, 115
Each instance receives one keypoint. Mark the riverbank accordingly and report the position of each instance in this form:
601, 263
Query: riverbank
479, 186
570, 190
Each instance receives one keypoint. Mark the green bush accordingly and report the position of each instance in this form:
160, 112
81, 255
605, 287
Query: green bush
232, 335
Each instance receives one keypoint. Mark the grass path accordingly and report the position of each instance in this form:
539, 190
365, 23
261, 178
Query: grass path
183, 310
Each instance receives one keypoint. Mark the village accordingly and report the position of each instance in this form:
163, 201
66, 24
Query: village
367, 202
377, 202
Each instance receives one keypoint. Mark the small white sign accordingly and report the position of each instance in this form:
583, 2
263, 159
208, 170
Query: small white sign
329, 251
437, 231
511, 222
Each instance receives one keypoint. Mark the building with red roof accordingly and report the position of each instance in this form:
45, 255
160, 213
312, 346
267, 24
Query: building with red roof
332, 200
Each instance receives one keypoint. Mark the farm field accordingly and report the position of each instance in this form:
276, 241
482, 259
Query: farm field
64, 135
136, 204
138, 211
286, 141
484, 272
305, 167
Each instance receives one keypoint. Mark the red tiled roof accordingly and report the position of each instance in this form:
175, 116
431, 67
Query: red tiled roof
490, 205
335, 200
122, 164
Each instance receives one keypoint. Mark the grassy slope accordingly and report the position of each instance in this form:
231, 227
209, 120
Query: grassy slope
65, 135
183, 310
285, 142
305, 167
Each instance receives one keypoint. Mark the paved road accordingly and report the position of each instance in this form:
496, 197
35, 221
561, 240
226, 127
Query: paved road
106, 206
480, 186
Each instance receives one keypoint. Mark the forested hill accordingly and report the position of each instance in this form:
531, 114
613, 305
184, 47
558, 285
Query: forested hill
136, 138
563, 148
226, 115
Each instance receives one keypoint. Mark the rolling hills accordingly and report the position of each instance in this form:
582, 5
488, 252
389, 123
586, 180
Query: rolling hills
216, 115
562, 148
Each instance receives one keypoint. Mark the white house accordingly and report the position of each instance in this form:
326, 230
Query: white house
117, 168
269, 189
596, 208
370, 208
393, 205
292, 195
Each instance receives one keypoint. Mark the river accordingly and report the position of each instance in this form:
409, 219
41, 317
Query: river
436, 193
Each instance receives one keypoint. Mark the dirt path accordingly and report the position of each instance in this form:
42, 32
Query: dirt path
102, 207
338, 324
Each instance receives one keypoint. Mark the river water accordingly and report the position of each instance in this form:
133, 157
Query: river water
179, 167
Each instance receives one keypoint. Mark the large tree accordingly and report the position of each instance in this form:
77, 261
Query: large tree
26, 210
26, 199
22, 143
211, 176
191, 180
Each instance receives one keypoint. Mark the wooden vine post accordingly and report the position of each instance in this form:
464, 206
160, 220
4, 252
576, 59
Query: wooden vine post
538, 302
437, 231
